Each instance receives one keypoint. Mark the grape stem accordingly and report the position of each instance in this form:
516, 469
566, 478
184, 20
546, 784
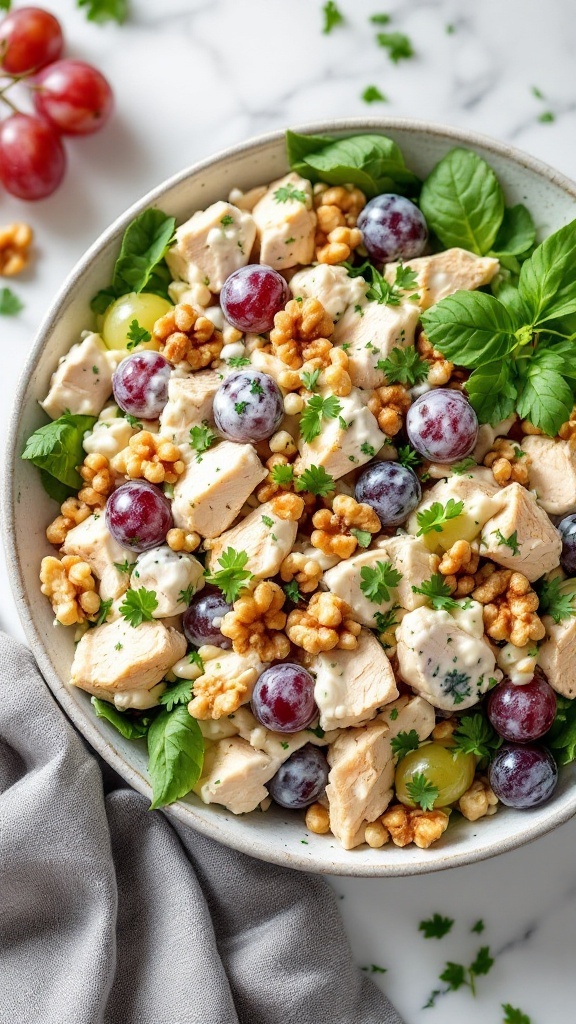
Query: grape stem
9, 103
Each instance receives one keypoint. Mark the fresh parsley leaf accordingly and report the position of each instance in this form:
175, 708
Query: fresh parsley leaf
363, 537
185, 596
435, 517
457, 468
332, 16
101, 11
180, 693
556, 598
138, 605
379, 19
237, 362
384, 622
398, 45
286, 192
128, 726
10, 304
231, 577
134, 423
483, 962
103, 610
463, 202
256, 387
454, 975
125, 566
315, 480
378, 581
282, 475
475, 735
478, 927
509, 542
372, 94
422, 792
381, 290
201, 439
404, 366
408, 457
512, 1015
373, 163
438, 593
315, 410
56, 449
404, 742
176, 755
436, 927
195, 659
137, 335
140, 264
292, 592
310, 379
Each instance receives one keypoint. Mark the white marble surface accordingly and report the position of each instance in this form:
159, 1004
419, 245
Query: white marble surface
194, 76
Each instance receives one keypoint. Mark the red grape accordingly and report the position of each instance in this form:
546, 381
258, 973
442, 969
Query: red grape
392, 490
248, 406
138, 515
73, 96
32, 157
522, 713
29, 39
392, 228
252, 296
523, 776
201, 620
301, 779
140, 384
442, 425
567, 531
283, 698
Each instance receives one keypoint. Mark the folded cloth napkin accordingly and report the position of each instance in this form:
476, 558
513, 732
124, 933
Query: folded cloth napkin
113, 914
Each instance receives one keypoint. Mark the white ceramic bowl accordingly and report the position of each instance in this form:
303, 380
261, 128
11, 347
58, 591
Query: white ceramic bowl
276, 836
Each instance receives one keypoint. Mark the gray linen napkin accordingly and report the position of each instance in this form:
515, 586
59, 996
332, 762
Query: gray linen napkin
112, 914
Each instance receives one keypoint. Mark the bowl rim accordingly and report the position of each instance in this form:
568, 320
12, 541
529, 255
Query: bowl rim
183, 812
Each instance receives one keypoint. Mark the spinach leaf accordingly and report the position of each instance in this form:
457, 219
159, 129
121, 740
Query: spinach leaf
373, 163
56, 449
562, 736
463, 202
140, 265
130, 728
516, 234
547, 285
471, 328
176, 750
299, 147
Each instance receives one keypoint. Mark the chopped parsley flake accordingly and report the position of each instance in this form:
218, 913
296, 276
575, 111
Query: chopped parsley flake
436, 927
240, 407
237, 362
367, 449
422, 792
404, 742
226, 220
398, 45
10, 304
510, 542
201, 439
286, 192
268, 522
332, 16
105, 607
372, 94
292, 592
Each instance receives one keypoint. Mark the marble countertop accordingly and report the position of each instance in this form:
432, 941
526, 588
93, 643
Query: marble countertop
194, 76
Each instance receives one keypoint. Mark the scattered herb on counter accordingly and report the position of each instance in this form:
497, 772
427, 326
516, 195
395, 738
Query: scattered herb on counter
10, 304
375, 969
180, 693
479, 927
56, 449
398, 45
436, 927
138, 606
176, 755
378, 581
102, 11
404, 366
315, 480
438, 593
140, 265
435, 517
372, 94
422, 792
547, 117
232, 576
332, 16
404, 742
380, 19
512, 1015
455, 976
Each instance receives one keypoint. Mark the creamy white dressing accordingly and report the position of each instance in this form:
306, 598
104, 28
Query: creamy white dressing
518, 663
169, 574
332, 286
139, 700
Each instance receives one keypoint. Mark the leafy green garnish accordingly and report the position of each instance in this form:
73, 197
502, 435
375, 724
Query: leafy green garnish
176, 755
475, 735
456, 975
372, 162
557, 598
237, 362
292, 592
462, 202
226, 220
315, 480
10, 304
479, 927
124, 566
422, 792
286, 192
138, 605
134, 423
367, 449
379, 19
268, 521
436, 927
512, 1015
437, 515
547, 117
315, 410
382, 291
509, 542
201, 439
377, 581
332, 16
404, 742
438, 593
372, 94
561, 737
195, 659
231, 577
137, 335
185, 596
101, 11
140, 265
457, 468
404, 366
310, 379
386, 621
103, 610
180, 693
130, 727
398, 45
240, 407
282, 475
408, 457
56, 449
363, 537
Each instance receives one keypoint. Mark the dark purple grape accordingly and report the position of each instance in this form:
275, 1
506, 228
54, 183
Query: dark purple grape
252, 296
392, 490
567, 531
524, 713
392, 228
138, 515
523, 776
283, 698
301, 779
442, 425
201, 620
248, 406
140, 384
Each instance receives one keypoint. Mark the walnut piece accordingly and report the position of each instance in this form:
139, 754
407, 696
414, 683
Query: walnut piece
288, 506
509, 464
306, 571
407, 825
324, 625
317, 819
332, 534
15, 242
440, 370
186, 336
180, 540
256, 623
389, 404
340, 244
568, 430
458, 566
301, 332
217, 695
98, 480
72, 513
510, 606
337, 209
71, 587
151, 457
478, 801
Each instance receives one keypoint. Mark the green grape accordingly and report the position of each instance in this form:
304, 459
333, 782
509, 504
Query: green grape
143, 307
450, 773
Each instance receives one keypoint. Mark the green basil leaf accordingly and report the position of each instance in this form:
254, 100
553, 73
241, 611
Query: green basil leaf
130, 728
544, 397
298, 147
562, 735
492, 392
54, 489
517, 232
463, 202
470, 328
547, 285
57, 448
145, 243
176, 752
373, 163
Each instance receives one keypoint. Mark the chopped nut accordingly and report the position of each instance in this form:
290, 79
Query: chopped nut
324, 625
15, 241
376, 835
529, 428
568, 430
217, 695
414, 825
317, 819
188, 336
73, 512
151, 457
306, 571
458, 566
444, 730
509, 606
283, 443
301, 332
339, 246
479, 801
337, 210
256, 623
71, 587
288, 506
508, 462
389, 405
95, 471
181, 540
440, 369
332, 534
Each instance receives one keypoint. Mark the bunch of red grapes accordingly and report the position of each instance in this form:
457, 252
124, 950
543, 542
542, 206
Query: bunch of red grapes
69, 97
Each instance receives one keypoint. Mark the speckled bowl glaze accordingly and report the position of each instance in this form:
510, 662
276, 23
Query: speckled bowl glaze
276, 836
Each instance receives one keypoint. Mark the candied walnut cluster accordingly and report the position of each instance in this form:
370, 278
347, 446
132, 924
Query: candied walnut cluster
479, 801
440, 370
256, 623
389, 404
72, 513
325, 624
567, 431
99, 482
333, 530
458, 565
509, 464
510, 606
216, 694
337, 209
186, 336
182, 540
306, 571
301, 333
15, 242
71, 587
149, 457
333, 364
288, 506
407, 825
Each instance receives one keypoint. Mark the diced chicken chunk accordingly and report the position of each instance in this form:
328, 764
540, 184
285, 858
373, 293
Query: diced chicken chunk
338, 447
351, 685
93, 542
520, 535
360, 781
212, 244
557, 655
82, 383
117, 656
265, 538
332, 286
190, 403
552, 473
477, 489
286, 223
110, 434
370, 330
409, 713
441, 661
174, 576
408, 555
447, 272
487, 434
234, 775
209, 494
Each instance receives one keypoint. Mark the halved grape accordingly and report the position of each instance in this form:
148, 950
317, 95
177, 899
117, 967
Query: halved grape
301, 779
392, 490
283, 698
442, 425
138, 515
523, 776
567, 531
140, 384
201, 620
524, 713
144, 307
248, 406
392, 228
252, 296
451, 773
